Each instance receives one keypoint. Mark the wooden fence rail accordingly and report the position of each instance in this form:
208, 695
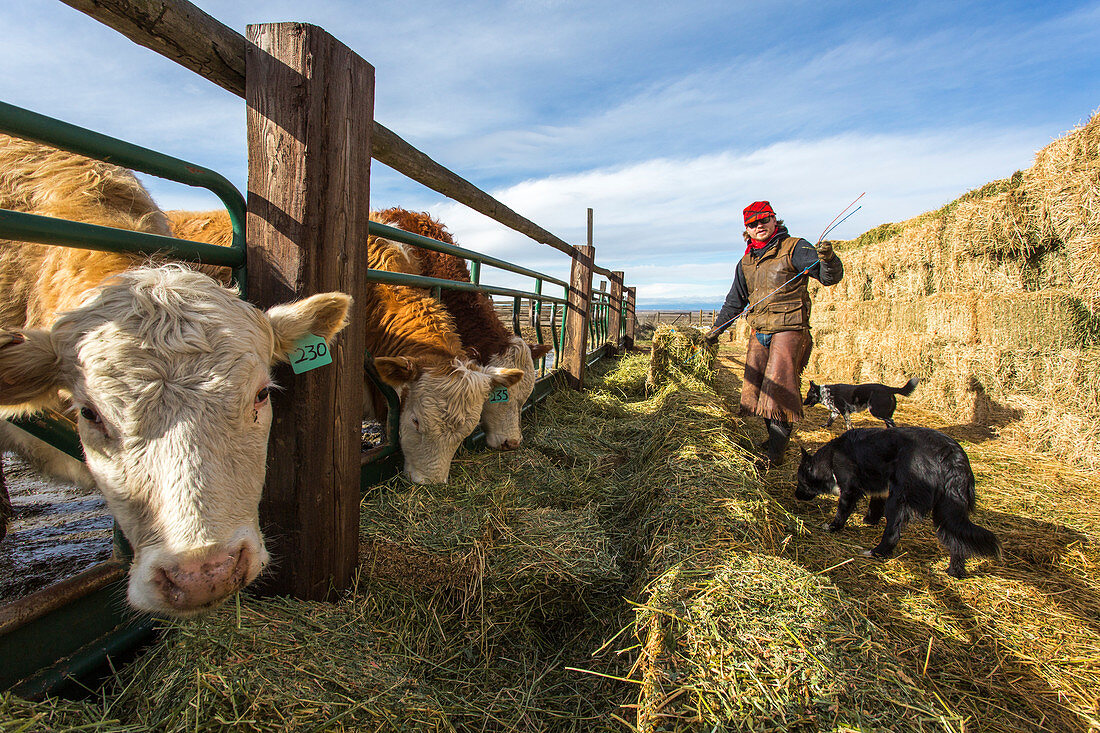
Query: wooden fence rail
182, 32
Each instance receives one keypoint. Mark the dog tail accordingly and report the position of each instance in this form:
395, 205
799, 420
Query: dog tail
951, 516
963, 537
908, 388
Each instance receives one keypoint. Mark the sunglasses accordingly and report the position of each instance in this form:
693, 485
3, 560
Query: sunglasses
759, 222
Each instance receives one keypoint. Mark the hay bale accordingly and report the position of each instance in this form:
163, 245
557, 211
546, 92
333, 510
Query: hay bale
979, 296
1050, 319
679, 350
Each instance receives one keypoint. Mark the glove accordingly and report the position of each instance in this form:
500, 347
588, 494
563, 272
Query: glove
825, 251
711, 338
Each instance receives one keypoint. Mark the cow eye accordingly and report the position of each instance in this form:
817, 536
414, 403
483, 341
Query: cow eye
416, 424
262, 395
91, 415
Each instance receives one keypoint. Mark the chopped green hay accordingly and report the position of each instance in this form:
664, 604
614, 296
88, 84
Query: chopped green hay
626, 569
680, 350
770, 646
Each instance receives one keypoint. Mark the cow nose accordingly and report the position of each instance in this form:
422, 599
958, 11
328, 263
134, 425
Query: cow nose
204, 581
511, 443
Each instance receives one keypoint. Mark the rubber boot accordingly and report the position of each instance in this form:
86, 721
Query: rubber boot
779, 435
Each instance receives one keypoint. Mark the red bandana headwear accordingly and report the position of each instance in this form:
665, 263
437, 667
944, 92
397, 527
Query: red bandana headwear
758, 210
753, 212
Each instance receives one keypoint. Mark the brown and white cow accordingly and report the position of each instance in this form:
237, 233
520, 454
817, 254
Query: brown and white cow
416, 350
478, 325
166, 371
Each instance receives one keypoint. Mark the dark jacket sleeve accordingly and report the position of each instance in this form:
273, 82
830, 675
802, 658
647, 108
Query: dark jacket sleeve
736, 300
827, 273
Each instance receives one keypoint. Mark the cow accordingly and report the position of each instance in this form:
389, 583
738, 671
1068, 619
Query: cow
165, 371
416, 350
479, 327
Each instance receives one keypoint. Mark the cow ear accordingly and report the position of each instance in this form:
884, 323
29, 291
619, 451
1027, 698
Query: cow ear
504, 377
396, 371
805, 453
540, 350
30, 368
322, 315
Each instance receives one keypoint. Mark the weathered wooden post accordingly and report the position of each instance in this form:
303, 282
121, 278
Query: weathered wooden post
577, 315
310, 113
631, 318
600, 314
615, 317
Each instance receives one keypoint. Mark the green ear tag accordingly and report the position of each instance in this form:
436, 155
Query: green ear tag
309, 353
500, 394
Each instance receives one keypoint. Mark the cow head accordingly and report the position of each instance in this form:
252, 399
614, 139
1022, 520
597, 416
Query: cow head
501, 420
169, 374
440, 405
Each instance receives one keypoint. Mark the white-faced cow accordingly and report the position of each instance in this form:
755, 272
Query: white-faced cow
478, 325
166, 371
416, 350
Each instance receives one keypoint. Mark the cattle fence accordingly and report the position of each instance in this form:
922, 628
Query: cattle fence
301, 97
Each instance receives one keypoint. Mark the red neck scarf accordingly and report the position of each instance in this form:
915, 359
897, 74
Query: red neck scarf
754, 245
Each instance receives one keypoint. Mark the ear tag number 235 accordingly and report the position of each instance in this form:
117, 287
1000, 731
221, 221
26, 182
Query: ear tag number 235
500, 394
308, 353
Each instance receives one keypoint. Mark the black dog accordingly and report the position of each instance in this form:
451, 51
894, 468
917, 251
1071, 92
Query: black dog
908, 472
844, 399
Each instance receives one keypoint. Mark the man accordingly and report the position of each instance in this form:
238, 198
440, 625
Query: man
767, 278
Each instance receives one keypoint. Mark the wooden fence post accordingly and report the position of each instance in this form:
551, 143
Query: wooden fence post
599, 312
577, 315
615, 318
631, 317
310, 104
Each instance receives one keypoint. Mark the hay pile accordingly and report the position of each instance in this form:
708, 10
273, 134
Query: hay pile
480, 604
733, 634
993, 300
626, 569
680, 350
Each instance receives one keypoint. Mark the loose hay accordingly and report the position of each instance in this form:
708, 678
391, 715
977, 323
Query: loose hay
680, 350
507, 599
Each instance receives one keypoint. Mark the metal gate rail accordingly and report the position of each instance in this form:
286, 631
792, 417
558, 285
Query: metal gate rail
68, 628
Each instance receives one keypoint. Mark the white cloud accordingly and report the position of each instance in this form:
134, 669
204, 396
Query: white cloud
674, 226
666, 118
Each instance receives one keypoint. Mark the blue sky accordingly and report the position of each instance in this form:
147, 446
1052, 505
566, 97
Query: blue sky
665, 118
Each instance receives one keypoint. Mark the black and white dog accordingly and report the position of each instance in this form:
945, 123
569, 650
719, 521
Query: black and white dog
844, 399
907, 472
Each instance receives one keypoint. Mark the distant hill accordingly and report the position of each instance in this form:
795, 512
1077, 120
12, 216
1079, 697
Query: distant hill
678, 306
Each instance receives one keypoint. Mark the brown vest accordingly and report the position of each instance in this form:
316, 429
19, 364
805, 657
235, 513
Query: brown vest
789, 308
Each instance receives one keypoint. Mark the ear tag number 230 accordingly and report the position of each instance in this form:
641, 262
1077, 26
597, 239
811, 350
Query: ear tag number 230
308, 353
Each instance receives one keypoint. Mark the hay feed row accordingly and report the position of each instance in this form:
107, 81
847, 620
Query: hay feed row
733, 635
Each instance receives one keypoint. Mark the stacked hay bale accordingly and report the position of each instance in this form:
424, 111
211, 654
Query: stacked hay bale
993, 300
